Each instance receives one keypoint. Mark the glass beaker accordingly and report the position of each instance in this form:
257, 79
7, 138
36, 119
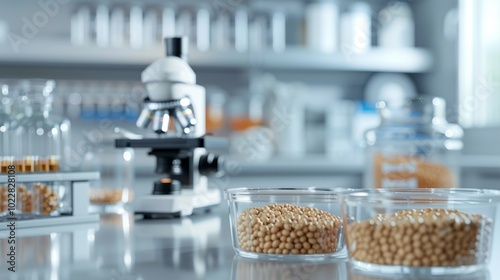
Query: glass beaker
6, 140
114, 191
414, 146
39, 132
7, 125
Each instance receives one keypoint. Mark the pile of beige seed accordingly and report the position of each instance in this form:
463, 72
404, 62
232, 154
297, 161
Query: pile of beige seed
25, 199
47, 199
427, 237
41, 199
107, 196
288, 229
3, 198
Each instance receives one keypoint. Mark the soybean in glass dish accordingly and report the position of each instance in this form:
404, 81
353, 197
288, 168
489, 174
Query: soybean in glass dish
419, 232
286, 223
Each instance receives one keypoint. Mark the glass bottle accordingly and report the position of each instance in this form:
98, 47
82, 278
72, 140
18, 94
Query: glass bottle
39, 132
414, 146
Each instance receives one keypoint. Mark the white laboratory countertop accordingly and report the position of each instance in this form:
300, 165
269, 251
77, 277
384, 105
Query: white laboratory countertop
124, 247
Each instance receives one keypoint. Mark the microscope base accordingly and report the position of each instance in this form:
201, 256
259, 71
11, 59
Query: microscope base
183, 204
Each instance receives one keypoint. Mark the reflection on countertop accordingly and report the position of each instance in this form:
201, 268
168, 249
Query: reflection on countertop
126, 247
122, 246
484, 275
245, 269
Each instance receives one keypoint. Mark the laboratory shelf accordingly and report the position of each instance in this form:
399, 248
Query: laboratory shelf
410, 60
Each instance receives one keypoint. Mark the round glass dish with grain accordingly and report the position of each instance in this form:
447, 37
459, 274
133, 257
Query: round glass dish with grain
423, 232
286, 223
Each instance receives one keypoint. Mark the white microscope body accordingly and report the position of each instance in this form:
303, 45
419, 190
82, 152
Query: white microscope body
176, 108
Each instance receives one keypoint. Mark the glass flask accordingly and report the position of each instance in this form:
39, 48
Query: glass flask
39, 132
414, 146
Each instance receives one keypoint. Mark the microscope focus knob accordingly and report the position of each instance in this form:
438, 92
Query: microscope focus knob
210, 164
167, 186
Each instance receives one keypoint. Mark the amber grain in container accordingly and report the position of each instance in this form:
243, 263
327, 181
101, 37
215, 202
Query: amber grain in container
413, 147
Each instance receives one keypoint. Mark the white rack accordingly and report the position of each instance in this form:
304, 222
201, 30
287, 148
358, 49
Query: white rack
80, 184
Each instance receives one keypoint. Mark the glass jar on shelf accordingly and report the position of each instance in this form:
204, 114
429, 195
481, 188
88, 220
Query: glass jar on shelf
414, 146
39, 131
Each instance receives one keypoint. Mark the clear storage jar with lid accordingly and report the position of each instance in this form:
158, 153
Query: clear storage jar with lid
414, 146
39, 132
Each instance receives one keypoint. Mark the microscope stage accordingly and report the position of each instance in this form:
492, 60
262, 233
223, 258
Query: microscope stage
183, 204
178, 143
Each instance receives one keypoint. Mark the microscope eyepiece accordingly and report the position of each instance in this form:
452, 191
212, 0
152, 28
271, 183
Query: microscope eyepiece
177, 46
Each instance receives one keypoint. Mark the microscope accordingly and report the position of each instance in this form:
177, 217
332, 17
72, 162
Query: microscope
175, 110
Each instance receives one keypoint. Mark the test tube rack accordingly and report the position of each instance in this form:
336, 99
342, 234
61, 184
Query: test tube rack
79, 196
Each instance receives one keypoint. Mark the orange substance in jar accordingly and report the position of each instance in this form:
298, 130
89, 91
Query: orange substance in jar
53, 165
244, 123
42, 166
214, 120
411, 171
4, 166
3, 198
